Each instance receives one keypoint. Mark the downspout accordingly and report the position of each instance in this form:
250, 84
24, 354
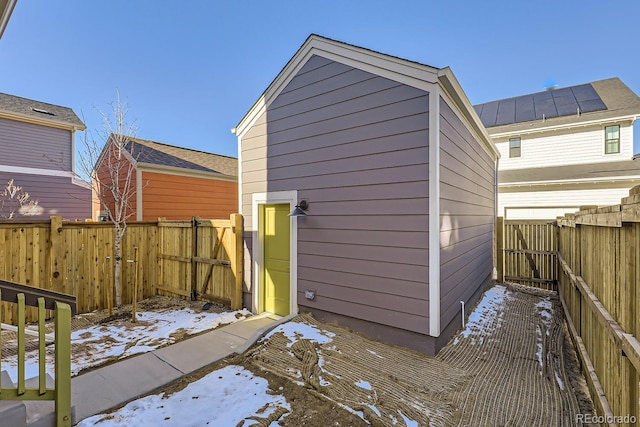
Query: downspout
434, 212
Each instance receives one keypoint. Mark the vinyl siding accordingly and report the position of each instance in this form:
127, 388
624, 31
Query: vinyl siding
572, 146
34, 146
56, 195
355, 145
571, 197
467, 200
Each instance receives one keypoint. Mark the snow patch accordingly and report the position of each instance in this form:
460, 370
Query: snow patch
229, 387
486, 317
364, 384
299, 330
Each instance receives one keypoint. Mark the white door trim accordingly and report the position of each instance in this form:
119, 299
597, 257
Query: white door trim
274, 197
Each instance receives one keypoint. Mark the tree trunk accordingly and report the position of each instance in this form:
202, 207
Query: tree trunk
118, 267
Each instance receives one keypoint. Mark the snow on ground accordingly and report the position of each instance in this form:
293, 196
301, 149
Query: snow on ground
225, 397
101, 343
298, 330
487, 316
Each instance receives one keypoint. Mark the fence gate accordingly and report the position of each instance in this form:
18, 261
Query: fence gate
530, 250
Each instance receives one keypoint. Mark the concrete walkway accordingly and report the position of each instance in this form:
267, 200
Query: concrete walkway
104, 388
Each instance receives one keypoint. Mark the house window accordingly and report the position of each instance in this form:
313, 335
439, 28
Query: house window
514, 147
612, 139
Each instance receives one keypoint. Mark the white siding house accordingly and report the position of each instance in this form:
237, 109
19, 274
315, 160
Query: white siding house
564, 148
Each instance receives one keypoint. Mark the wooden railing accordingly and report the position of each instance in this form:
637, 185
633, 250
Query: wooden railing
62, 306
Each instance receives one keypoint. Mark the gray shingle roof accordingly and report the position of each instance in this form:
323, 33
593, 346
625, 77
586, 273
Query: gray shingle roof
161, 154
616, 96
590, 171
39, 110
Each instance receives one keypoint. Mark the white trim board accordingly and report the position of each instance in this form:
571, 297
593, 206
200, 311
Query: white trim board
274, 197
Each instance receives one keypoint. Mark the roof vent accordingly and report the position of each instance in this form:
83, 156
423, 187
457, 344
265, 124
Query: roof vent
550, 88
38, 110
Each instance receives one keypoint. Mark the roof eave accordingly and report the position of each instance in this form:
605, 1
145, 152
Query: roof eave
153, 167
6, 8
449, 82
602, 120
30, 119
412, 73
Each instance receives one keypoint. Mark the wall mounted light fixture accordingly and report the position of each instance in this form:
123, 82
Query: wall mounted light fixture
300, 209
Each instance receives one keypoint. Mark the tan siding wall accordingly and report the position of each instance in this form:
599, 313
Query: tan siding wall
356, 146
183, 197
466, 214
34, 146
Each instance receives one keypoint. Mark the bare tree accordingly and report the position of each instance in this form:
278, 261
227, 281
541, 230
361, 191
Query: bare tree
109, 160
14, 201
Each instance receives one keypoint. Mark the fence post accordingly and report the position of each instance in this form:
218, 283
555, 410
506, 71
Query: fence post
56, 253
236, 259
500, 248
194, 254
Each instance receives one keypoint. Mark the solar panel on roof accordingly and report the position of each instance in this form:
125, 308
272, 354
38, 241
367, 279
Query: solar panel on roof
595, 105
489, 113
525, 110
535, 106
545, 108
506, 112
584, 93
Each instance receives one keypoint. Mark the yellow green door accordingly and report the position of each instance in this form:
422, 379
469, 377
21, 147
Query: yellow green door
275, 226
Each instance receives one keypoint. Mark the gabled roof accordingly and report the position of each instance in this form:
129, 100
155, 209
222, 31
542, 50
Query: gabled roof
408, 72
598, 101
18, 108
165, 155
611, 171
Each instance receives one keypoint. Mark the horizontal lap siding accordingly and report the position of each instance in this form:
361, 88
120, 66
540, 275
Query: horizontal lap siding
356, 146
56, 195
34, 146
183, 197
466, 214
253, 179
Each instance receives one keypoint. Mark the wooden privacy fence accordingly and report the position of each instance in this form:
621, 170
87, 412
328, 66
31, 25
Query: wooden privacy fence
77, 258
599, 258
527, 252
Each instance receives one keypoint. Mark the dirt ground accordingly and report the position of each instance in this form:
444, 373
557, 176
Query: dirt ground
514, 366
519, 369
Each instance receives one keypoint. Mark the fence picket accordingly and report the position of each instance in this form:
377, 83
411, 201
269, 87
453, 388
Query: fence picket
76, 258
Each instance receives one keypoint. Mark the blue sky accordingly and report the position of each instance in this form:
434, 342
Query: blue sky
190, 70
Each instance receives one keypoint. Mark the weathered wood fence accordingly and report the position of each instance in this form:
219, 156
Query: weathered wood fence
599, 260
527, 252
77, 258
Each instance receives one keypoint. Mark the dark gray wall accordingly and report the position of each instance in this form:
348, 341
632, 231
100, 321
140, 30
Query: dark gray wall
56, 195
466, 214
356, 146
34, 146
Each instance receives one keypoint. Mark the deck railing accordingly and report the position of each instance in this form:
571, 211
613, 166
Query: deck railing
63, 305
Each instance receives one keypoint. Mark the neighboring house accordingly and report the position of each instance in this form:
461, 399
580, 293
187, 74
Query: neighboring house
399, 176
37, 142
564, 148
179, 183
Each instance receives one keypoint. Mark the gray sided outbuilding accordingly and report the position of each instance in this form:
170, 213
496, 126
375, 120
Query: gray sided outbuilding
393, 162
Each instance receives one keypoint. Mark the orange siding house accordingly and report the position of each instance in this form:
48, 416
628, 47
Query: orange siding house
179, 183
